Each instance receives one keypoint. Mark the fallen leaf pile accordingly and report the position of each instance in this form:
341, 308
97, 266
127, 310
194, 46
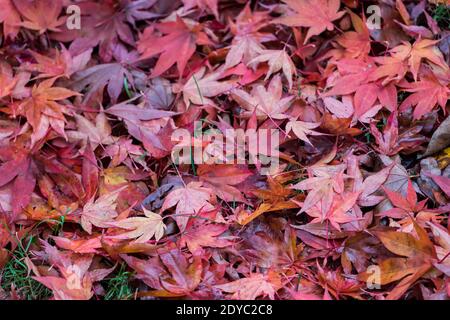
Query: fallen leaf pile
94, 96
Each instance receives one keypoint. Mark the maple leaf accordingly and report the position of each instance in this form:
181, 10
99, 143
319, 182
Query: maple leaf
190, 200
62, 64
341, 109
318, 15
149, 270
268, 247
356, 43
321, 187
247, 43
66, 179
7, 80
249, 23
13, 86
338, 285
276, 198
171, 273
132, 112
419, 253
40, 15
96, 134
398, 177
203, 4
155, 135
426, 93
17, 166
442, 239
339, 126
264, 102
224, 179
79, 245
103, 23
245, 217
353, 73
255, 285
277, 60
200, 235
142, 228
139, 71
357, 250
442, 182
366, 96
404, 205
337, 213
356, 76
110, 76
89, 173
75, 281
200, 87
10, 19
176, 46
302, 129
100, 212
388, 141
370, 186
124, 151
42, 111
159, 94
420, 50
277, 192
243, 49
393, 68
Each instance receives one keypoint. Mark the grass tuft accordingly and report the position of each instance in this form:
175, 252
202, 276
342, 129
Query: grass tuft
442, 15
15, 274
118, 287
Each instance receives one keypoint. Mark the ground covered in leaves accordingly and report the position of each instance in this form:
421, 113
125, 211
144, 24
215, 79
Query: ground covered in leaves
94, 206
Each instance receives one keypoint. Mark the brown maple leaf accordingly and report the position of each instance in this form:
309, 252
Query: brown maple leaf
43, 111
418, 255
